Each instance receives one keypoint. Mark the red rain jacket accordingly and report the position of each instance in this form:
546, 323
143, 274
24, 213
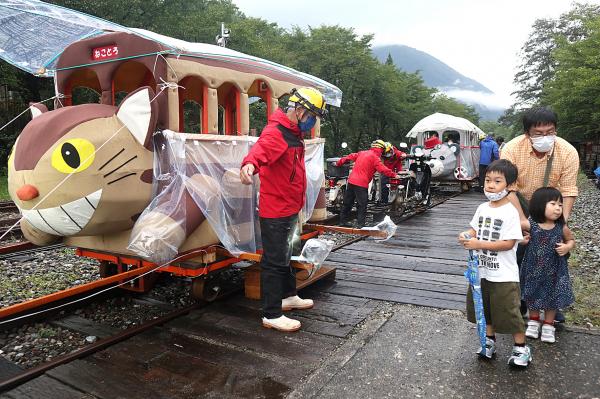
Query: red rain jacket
395, 161
432, 142
278, 158
365, 165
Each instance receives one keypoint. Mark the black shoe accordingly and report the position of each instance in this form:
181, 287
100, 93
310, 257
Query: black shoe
559, 317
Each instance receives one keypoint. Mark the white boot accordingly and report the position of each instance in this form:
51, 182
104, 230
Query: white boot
295, 302
282, 323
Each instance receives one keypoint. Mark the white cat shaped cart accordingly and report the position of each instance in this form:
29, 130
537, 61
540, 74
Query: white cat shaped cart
457, 157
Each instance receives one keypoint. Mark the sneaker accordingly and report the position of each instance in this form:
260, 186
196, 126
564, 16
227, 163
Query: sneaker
548, 333
295, 302
489, 350
559, 317
281, 323
521, 356
533, 329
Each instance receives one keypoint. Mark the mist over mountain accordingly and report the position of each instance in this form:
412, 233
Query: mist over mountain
439, 75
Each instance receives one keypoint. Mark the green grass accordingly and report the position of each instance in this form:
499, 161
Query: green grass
4, 187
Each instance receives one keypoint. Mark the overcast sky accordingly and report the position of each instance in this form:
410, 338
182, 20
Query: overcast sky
480, 39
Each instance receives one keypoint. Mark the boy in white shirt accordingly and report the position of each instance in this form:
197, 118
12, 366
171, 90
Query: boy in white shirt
496, 230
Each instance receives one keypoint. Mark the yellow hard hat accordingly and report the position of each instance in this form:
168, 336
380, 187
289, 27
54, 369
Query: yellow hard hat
388, 150
378, 144
309, 98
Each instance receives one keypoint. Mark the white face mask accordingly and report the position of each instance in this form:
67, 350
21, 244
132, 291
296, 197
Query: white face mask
544, 143
496, 196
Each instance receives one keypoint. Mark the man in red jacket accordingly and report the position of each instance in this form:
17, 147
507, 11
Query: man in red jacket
393, 160
365, 165
432, 141
278, 158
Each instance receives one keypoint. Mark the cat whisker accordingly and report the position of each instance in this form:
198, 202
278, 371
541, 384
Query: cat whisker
120, 166
110, 160
120, 178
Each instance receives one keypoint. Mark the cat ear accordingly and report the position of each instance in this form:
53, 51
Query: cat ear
37, 109
138, 113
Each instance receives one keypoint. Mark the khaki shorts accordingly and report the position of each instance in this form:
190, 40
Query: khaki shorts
501, 306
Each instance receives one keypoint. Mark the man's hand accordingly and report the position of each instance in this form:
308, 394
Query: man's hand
246, 173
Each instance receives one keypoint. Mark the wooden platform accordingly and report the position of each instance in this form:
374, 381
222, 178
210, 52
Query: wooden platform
421, 265
223, 351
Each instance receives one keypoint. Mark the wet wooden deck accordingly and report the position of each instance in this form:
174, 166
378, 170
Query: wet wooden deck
223, 351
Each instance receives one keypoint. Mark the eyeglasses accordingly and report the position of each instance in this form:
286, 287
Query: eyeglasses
543, 134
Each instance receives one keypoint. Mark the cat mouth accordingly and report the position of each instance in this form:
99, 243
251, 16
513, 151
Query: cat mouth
67, 219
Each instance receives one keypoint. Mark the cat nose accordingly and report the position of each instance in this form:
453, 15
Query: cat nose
27, 192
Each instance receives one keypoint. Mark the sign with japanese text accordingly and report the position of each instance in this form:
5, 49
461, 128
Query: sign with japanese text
105, 53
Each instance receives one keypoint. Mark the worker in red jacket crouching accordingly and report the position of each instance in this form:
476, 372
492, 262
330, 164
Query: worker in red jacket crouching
366, 163
278, 158
393, 160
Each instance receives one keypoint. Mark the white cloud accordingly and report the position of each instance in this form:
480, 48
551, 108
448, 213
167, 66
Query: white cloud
492, 101
480, 39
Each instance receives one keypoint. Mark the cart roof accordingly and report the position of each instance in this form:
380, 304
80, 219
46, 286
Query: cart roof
22, 43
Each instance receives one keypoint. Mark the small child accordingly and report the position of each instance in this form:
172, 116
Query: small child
545, 282
497, 229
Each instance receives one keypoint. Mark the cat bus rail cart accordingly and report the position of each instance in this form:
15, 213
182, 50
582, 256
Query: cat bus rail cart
151, 132
456, 155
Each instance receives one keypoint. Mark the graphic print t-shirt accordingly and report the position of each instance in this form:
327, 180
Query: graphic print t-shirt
497, 224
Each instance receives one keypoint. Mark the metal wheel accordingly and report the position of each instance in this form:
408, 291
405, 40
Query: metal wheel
465, 186
205, 289
107, 269
399, 205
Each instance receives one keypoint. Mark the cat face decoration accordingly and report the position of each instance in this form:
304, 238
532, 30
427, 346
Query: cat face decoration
84, 170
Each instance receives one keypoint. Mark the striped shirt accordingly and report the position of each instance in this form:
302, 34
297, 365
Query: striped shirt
532, 169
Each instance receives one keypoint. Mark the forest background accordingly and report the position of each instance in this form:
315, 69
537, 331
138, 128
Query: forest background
560, 68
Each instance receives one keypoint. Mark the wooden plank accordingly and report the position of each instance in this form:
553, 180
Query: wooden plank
206, 367
375, 288
45, 387
400, 296
85, 326
104, 380
8, 369
407, 275
423, 285
243, 329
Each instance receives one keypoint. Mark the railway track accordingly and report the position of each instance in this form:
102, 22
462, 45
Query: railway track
97, 334
8, 207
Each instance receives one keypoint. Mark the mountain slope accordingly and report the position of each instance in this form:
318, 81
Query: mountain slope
435, 73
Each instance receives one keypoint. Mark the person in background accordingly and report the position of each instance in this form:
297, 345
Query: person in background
543, 160
488, 153
278, 158
393, 160
366, 163
501, 143
432, 141
494, 234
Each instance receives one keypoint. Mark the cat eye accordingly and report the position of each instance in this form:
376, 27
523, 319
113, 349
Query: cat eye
72, 156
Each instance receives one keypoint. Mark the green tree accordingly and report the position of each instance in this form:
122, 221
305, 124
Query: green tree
538, 64
446, 105
574, 91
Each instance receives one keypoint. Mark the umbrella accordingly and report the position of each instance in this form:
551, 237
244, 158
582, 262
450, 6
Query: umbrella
472, 276
440, 122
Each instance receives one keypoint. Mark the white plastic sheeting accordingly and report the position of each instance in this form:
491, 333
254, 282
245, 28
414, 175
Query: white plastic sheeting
439, 122
196, 171
33, 34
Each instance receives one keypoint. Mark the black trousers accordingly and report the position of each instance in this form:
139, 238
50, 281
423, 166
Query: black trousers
482, 170
361, 195
385, 190
277, 279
